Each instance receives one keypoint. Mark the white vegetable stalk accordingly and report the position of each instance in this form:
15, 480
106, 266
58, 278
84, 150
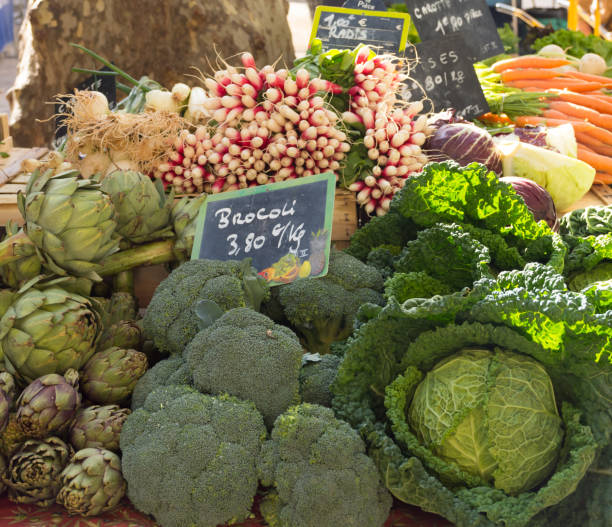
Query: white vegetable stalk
197, 110
162, 101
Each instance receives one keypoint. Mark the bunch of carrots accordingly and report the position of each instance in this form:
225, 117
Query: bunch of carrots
580, 99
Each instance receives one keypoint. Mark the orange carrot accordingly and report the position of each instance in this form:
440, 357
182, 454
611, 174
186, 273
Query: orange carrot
586, 148
603, 120
603, 178
604, 81
605, 136
584, 99
495, 118
529, 73
574, 85
594, 144
597, 161
556, 114
528, 61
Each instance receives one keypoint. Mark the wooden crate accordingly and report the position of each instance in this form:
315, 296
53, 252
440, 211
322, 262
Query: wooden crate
345, 218
12, 181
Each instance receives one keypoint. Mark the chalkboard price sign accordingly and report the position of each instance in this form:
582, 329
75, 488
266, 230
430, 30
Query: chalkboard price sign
445, 76
436, 19
285, 228
340, 28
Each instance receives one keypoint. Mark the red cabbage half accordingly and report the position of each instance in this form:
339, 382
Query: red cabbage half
537, 199
465, 144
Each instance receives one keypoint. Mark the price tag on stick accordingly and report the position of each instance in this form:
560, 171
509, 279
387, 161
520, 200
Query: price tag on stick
341, 28
284, 227
436, 19
441, 72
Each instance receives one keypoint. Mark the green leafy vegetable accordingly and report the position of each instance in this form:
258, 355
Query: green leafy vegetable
559, 335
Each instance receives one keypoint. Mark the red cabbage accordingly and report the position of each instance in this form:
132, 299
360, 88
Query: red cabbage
537, 199
465, 144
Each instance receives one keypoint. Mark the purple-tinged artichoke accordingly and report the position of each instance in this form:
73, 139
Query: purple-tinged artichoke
92, 482
109, 376
33, 473
48, 404
12, 437
98, 427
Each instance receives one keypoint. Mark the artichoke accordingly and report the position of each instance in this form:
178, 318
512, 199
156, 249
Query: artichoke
7, 394
125, 334
33, 473
70, 221
12, 437
48, 330
92, 483
17, 272
184, 216
142, 207
98, 427
48, 404
109, 376
2, 471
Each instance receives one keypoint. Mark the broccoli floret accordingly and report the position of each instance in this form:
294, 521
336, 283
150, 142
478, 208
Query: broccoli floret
403, 286
322, 310
190, 459
170, 320
316, 376
247, 355
321, 473
168, 372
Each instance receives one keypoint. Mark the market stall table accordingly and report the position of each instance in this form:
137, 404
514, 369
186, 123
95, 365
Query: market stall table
23, 515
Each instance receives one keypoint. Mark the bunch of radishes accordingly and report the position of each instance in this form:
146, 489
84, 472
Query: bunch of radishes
394, 133
268, 127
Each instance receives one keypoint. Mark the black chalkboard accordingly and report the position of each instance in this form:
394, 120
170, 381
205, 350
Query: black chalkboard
445, 76
342, 28
284, 227
106, 84
436, 19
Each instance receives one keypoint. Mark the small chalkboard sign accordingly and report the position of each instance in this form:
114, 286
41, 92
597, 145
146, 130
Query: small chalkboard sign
341, 28
284, 227
106, 84
436, 19
441, 71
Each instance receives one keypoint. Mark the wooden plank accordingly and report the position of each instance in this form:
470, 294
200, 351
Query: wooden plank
345, 215
21, 178
12, 188
11, 166
4, 126
603, 192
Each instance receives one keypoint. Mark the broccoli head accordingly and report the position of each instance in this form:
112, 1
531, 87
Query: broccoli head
403, 286
168, 372
321, 474
170, 321
322, 310
316, 376
247, 355
383, 258
190, 459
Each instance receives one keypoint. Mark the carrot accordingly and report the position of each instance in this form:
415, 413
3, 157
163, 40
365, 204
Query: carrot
597, 161
556, 114
605, 136
584, 99
594, 144
604, 81
586, 148
603, 178
557, 82
528, 61
495, 118
529, 73
582, 112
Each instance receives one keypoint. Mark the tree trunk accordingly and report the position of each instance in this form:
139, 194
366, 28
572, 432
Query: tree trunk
164, 39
